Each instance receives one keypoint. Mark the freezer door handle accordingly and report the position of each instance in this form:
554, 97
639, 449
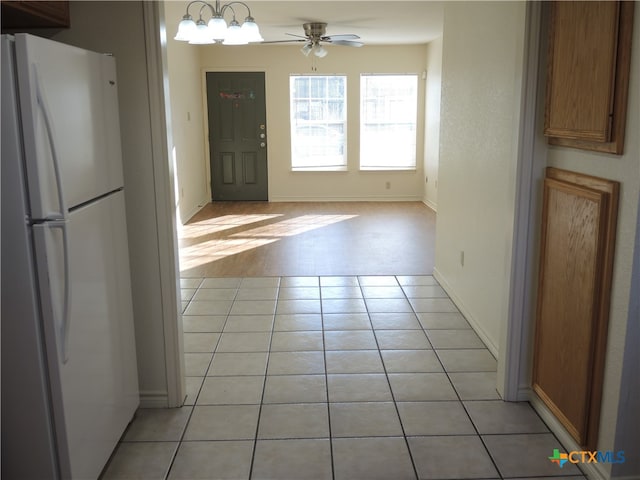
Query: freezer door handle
56, 304
42, 104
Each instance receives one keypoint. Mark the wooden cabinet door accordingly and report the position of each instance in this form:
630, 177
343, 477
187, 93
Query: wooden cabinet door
35, 14
588, 74
582, 70
578, 233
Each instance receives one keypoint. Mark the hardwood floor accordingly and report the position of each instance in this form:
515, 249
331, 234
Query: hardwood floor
245, 239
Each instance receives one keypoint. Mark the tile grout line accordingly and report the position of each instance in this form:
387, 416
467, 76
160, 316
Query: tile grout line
463, 405
264, 382
456, 393
326, 379
195, 401
484, 445
386, 374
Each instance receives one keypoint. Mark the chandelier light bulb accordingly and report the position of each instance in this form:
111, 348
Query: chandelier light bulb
186, 29
218, 28
202, 35
235, 35
251, 31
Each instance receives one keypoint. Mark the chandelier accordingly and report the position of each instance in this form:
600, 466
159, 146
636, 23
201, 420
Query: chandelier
216, 29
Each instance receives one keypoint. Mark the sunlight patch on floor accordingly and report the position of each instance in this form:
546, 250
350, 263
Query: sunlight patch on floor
220, 224
294, 226
208, 251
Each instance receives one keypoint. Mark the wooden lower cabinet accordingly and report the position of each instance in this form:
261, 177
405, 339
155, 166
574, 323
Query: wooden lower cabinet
576, 261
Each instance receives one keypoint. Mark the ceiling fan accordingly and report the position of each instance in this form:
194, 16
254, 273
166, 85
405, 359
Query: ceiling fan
315, 36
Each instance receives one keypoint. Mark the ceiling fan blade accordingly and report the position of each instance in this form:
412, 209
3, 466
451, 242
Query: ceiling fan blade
294, 35
285, 41
348, 36
347, 43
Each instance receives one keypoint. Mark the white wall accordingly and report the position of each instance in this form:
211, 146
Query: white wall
432, 122
189, 135
278, 62
627, 433
626, 170
481, 68
118, 28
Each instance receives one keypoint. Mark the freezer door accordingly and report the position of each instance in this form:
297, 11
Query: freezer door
68, 100
95, 345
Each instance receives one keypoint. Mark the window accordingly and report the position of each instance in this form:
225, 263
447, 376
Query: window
318, 122
388, 115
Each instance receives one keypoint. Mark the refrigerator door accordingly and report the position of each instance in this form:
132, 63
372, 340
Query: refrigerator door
25, 393
93, 349
68, 99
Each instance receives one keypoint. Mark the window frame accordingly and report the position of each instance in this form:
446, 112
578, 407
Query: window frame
339, 126
405, 166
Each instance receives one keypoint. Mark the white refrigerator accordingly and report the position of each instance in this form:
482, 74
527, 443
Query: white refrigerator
69, 372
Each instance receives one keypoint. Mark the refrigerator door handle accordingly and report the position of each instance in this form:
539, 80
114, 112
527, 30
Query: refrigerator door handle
42, 104
45, 253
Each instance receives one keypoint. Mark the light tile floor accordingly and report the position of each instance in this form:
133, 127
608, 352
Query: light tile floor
334, 378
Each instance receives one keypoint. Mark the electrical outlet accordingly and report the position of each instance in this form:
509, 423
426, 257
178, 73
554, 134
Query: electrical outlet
387, 185
462, 258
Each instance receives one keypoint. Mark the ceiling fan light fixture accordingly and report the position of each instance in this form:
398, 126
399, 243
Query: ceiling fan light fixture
306, 50
319, 51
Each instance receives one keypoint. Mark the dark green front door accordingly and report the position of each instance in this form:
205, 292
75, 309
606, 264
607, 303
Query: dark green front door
237, 135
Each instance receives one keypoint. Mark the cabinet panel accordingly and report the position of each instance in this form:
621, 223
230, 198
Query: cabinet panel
578, 234
35, 14
582, 70
588, 74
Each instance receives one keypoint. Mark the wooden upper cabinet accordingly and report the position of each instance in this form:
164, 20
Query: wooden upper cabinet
588, 74
34, 14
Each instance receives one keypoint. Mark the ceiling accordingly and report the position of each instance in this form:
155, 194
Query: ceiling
376, 22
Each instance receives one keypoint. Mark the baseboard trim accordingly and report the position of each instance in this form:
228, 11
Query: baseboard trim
376, 198
430, 204
524, 393
195, 210
154, 399
593, 471
493, 348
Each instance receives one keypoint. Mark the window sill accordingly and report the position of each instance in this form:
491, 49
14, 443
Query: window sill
320, 169
387, 169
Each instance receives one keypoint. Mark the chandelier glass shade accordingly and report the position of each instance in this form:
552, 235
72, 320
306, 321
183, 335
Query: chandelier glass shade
216, 30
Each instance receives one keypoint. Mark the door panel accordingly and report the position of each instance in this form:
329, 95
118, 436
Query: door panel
237, 135
250, 168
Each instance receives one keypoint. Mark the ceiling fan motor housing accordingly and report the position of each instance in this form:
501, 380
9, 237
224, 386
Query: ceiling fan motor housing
315, 30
